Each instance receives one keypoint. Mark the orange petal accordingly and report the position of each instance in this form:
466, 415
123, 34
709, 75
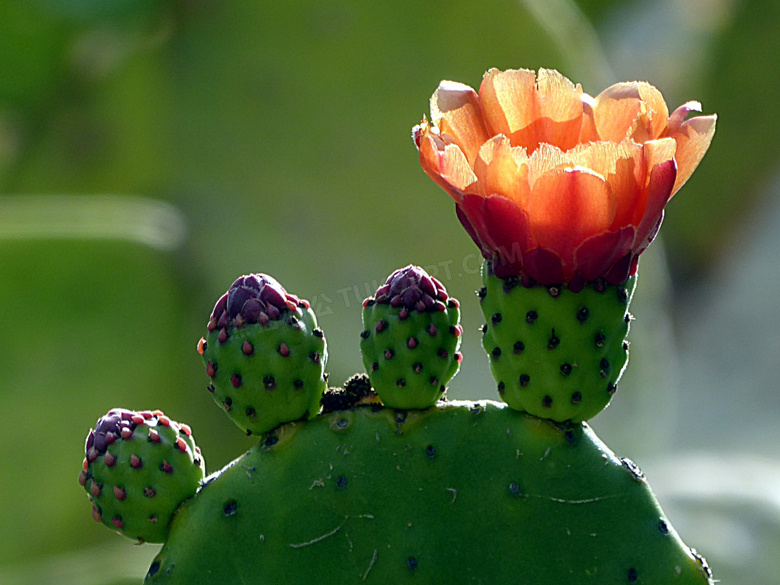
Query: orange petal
531, 110
455, 110
445, 164
661, 175
622, 165
630, 110
693, 139
568, 206
501, 170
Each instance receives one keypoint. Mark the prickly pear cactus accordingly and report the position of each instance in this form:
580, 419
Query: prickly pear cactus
555, 353
410, 339
139, 467
264, 354
458, 493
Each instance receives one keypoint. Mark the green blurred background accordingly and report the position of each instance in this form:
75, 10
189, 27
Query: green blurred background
153, 150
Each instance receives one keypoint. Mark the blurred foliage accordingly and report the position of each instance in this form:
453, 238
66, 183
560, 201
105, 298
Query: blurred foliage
281, 133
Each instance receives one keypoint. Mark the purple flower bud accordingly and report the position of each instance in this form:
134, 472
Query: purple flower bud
411, 288
108, 428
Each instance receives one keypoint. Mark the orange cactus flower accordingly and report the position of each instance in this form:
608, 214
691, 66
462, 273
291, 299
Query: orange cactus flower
553, 185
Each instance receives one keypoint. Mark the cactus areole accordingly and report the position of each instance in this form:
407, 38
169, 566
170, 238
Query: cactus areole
385, 481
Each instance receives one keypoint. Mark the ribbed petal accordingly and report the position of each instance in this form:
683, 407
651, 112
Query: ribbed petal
445, 164
508, 224
630, 110
531, 110
501, 170
567, 207
622, 165
659, 155
596, 255
693, 139
455, 110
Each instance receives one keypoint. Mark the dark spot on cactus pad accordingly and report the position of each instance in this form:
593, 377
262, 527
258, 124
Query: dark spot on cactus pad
365, 334
119, 493
400, 382
374, 367
283, 350
109, 459
269, 382
531, 317
411, 562
524, 380
227, 404
293, 322
149, 492
389, 353
633, 468
117, 522
369, 302
434, 381
135, 462
628, 318
482, 293
582, 314
155, 566
625, 346
341, 481
250, 412
403, 314
153, 519
570, 437
315, 357
604, 365
211, 388
554, 341
495, 353
417, 367
456, 330
576, 398
223, 336
298, 384
230, 507
501, 387
632, 575
663, 526
547, 401
381, 326
554, 291
95, 489
211, 369
235, 379
202, 346
514, 488
622, 294
496, 318
518, 347
166, 467
611, 388
342, 423
483, 328
453, 304
412, 342
317, 332
599, 285
565, 369
431, 329
458, 357
430, 451
442, 353
270, 441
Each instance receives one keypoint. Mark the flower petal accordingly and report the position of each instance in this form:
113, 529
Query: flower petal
693, 139
502, 170
568, 206
508, 225
629, 110
455, 110
596, 255
445, 163
662, 172
531, 110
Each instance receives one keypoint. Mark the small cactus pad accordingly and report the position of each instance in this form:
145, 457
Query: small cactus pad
460, 493
555, 353
410, 339
139, 467
264, 355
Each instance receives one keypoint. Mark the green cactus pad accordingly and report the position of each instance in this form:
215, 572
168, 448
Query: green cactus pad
460, 493
139, 476
555, 353
409, 361
266, 375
